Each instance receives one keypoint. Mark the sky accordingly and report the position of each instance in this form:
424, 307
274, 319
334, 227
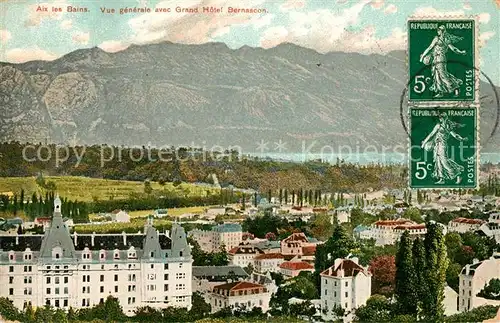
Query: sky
363, 26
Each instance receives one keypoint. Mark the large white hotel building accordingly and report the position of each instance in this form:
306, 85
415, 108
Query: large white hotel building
80, 270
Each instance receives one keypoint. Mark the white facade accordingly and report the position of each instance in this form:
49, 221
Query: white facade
388, 232
120, 216
78, 271
473, 278
346, 284
243, 295
244, 255
229, 235
462, 225
268, 262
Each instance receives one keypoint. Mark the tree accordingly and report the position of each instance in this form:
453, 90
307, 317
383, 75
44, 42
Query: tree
405, 290
418, 253
377, 309
199, 308
383, 269
491, 290
148, 189
435, 272
8, 311
478, 314
19, 229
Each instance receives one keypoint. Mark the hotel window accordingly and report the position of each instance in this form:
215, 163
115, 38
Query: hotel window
165, 276
65, 303
102, 289
65, 280
65, 291
165, 288
165, 266
151, 254
117, 255
116, 278
11, 269
11, 291
57, 280
48, 280
116, 289
102, 255
57, 291
48, 291
11, 280
102, 278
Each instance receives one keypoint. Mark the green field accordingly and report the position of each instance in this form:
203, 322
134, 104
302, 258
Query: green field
87, 189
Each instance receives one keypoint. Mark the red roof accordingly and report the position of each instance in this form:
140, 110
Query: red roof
410, 227
269, 256
297, 236
309, 250
468, 221
238, 286
116, 211
245, 249
390, 223
296, 265
350, 269
42, 219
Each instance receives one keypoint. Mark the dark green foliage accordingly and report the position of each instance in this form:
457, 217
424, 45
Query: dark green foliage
377, 309
491, 290
202, 258
261, 225
405, 289
477, 314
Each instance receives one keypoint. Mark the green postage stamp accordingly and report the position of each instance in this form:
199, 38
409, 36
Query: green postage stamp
443, 60
444, 148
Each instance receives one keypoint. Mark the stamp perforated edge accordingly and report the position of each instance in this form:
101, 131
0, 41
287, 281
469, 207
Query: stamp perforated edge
477, 45
478, 149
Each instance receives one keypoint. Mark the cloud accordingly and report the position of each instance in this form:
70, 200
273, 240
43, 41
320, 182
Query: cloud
390, 9
484, 17
21, 55
81, 38
35, 17
430, 11
377, 4
5, 35
325, 31
485, 36
66, 24
113, 46
189, 28
292, 4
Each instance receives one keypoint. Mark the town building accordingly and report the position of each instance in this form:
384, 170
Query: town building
205, 278
345, 285
268, 262
387, 232
242, 295
294, 244
119, 216
472, 280
80, 270
244, 255
290, 269
462, 225
228, 235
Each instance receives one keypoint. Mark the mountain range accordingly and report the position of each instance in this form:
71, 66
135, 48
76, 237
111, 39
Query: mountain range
203, 95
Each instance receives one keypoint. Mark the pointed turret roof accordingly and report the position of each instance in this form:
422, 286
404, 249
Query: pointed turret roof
57, 235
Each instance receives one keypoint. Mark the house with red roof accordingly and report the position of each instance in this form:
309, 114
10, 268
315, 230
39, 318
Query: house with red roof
346, 284
243, 295
294, 245
462, 225
290, 269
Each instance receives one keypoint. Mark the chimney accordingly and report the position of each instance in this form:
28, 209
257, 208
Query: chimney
17, 240
75, 236
124, 235
337, 262
92, 239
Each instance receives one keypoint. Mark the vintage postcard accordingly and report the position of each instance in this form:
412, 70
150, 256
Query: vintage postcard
249, 161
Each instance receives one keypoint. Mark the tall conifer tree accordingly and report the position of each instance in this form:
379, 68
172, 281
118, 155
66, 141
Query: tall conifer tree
405, 290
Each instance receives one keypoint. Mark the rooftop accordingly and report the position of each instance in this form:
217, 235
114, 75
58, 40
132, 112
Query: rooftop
218, 271
269, 256
234, 286
296, 265
468, 221
350, 268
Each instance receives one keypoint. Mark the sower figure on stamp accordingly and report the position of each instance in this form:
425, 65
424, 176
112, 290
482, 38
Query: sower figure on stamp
445, 168
435, 54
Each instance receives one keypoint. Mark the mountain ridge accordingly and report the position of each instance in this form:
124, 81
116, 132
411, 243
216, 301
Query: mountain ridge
210, 94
